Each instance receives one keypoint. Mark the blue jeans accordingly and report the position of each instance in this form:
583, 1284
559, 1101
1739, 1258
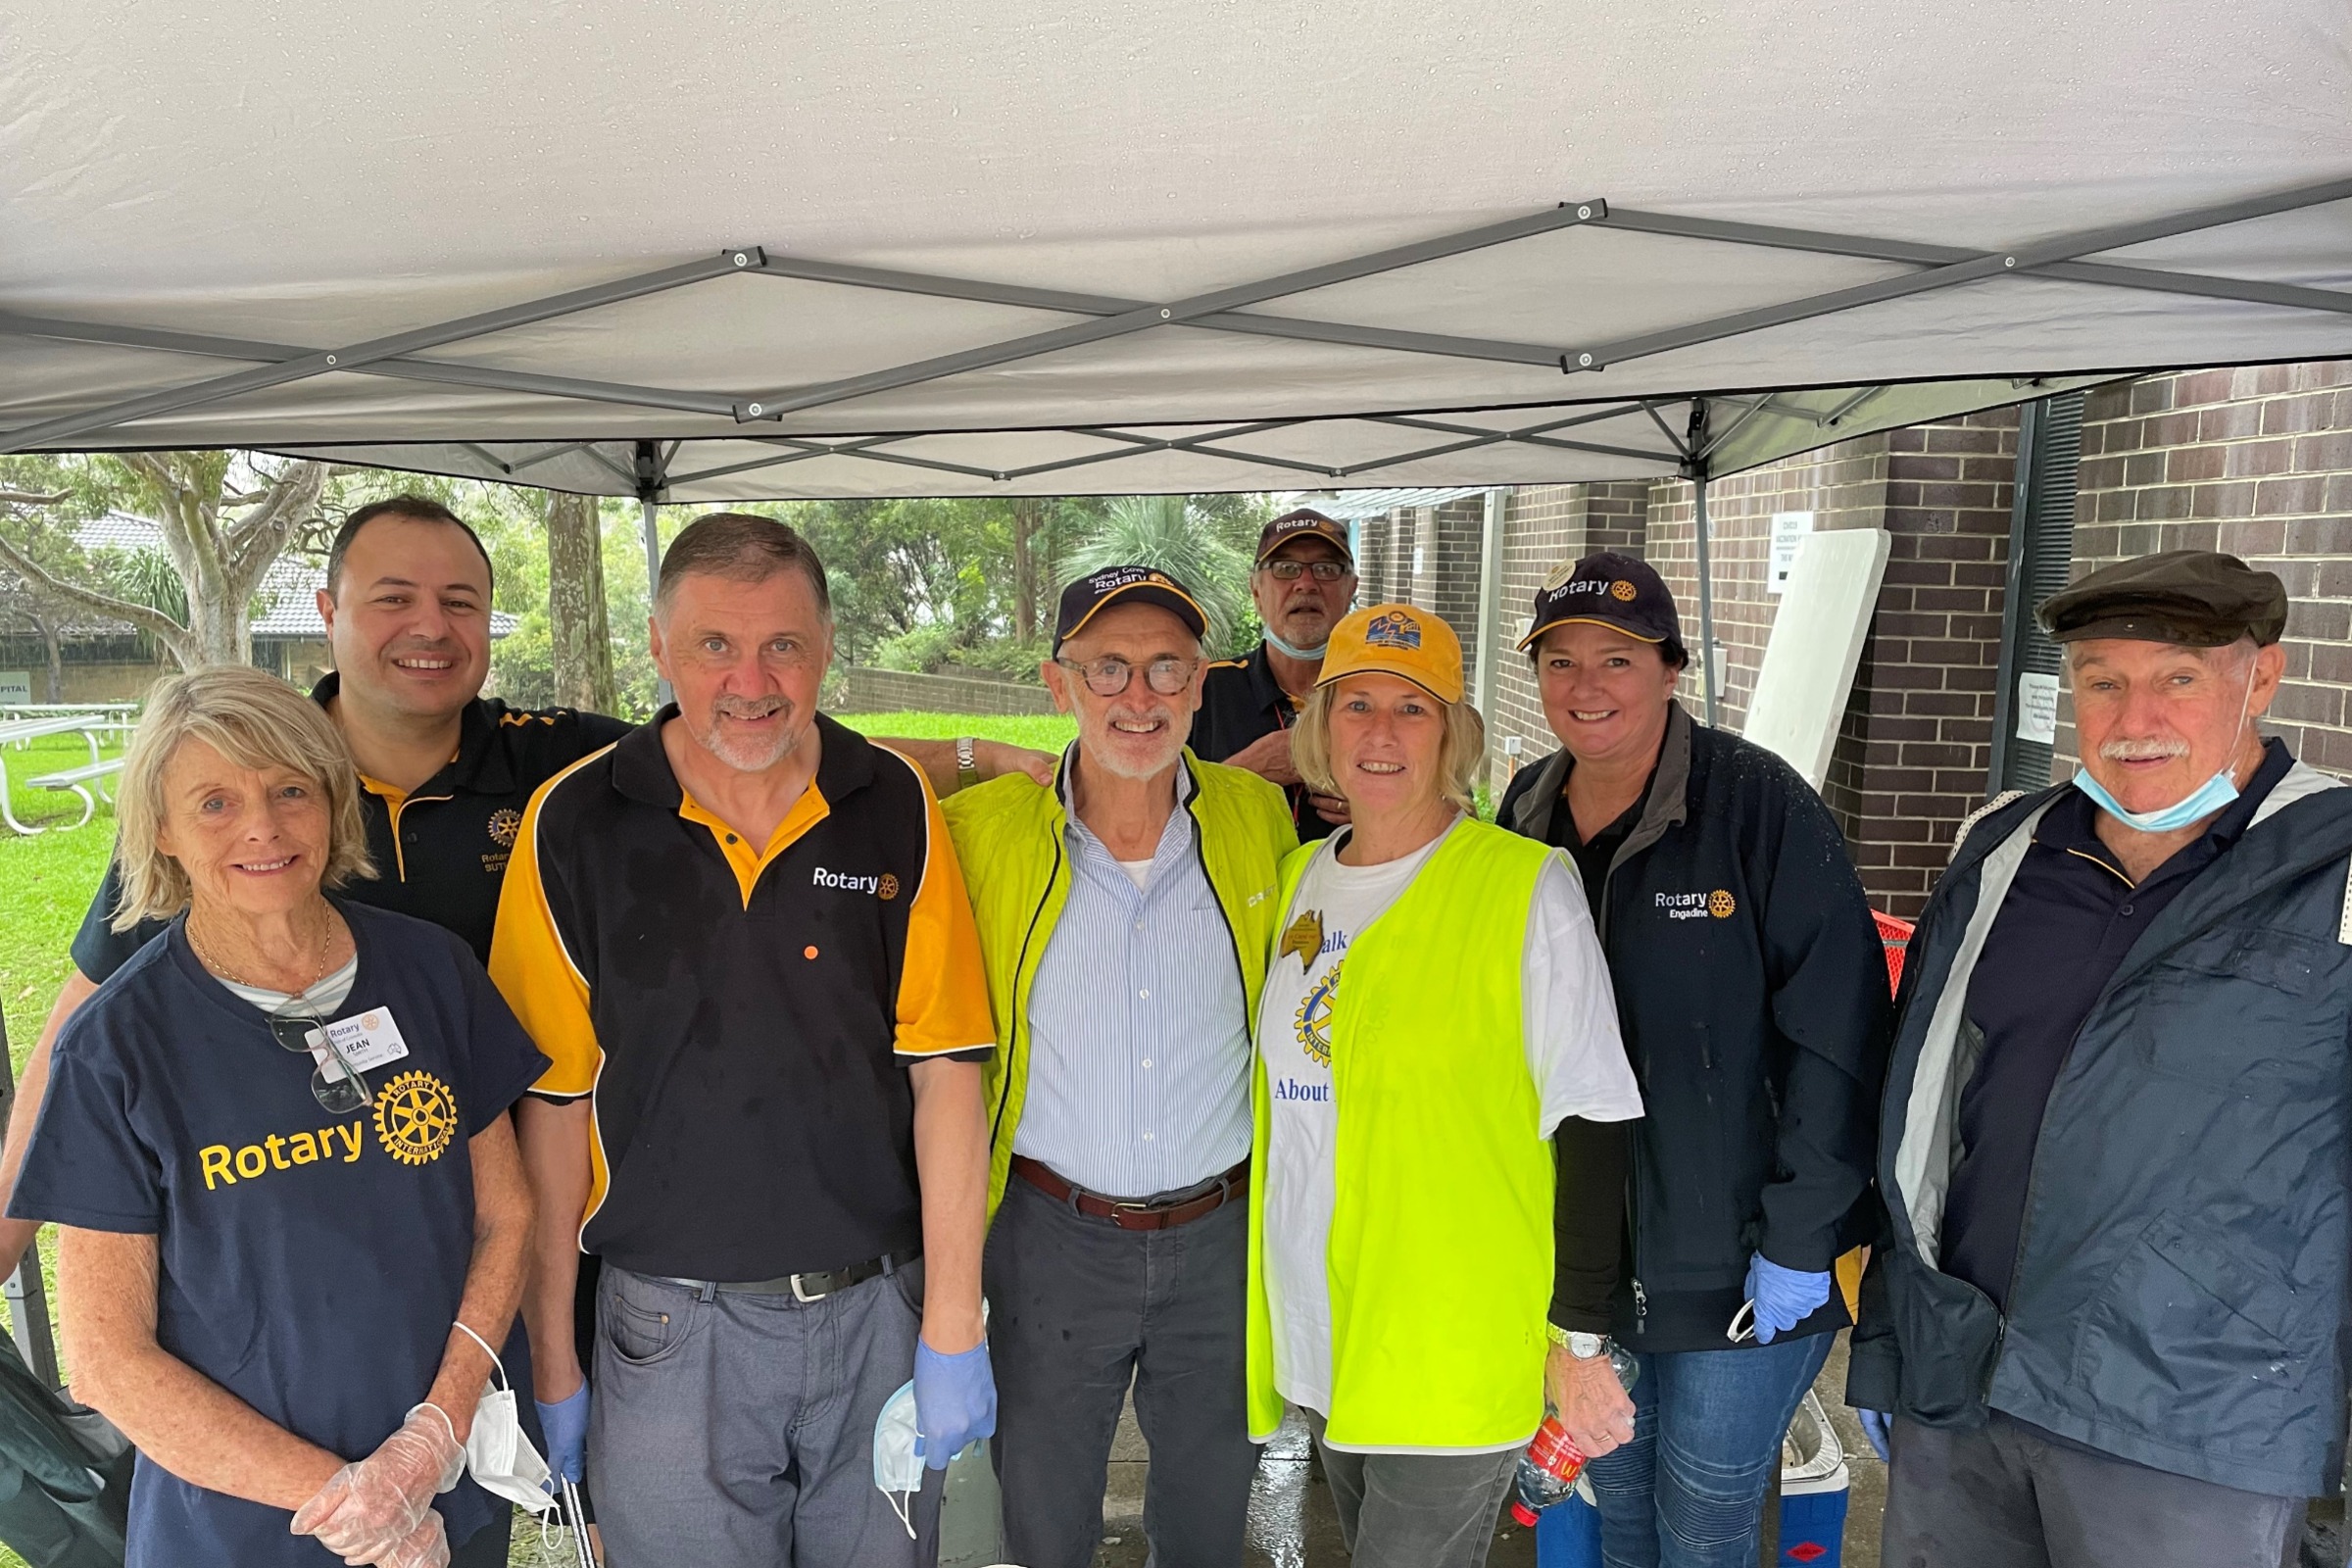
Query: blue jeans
1688, 1492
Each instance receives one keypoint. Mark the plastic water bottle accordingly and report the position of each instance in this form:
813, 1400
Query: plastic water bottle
1549, 1469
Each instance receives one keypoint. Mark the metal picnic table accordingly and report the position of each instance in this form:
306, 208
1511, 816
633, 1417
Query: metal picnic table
88, 722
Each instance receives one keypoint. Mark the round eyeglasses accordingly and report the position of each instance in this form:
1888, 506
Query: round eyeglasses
1107, 677
340, 1094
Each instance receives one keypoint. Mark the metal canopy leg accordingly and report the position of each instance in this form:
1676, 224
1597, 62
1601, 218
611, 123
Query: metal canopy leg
1696, 469
649, 481
1706, 593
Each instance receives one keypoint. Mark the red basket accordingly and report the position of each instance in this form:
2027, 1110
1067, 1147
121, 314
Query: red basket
1896, 935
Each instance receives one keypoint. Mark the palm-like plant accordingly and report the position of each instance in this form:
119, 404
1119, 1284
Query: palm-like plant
1162, 531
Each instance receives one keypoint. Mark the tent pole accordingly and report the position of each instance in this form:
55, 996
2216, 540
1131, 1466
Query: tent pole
653, 575
1490, 603
649, 479
1706, 593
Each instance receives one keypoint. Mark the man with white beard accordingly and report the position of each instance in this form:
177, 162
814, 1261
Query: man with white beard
1125, 920
741, 936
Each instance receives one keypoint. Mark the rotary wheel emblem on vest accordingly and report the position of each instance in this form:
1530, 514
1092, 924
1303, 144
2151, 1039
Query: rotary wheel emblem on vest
1314, 1018
503, 826
1719, 903
415, 1117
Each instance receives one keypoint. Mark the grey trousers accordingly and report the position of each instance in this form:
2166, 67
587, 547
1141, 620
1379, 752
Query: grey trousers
1078, 1310
737, 1430
1415, 1510
2006, 1497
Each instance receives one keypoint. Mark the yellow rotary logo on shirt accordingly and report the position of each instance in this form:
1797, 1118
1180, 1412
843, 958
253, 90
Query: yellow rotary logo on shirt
1314, 1018
505, 825
415, 1117
1721, 903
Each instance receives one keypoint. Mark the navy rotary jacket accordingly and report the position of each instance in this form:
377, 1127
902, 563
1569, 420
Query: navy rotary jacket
2180, 1296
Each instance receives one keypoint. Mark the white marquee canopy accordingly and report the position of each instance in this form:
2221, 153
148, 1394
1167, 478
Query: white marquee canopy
739, 249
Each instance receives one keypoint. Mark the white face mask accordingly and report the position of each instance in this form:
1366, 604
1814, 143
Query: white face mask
500, 1458
897, 1472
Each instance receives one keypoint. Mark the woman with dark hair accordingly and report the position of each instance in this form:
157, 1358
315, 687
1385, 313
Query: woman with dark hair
1752, 989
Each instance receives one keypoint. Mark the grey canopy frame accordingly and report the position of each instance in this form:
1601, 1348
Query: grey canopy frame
1423, 437
998, 247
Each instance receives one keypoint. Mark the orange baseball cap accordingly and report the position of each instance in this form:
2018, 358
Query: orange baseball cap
1397, 640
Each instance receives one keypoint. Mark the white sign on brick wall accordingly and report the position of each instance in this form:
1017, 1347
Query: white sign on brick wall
2037, 707
1788, 528
16, 686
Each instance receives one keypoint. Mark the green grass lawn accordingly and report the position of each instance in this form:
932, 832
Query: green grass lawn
46, 883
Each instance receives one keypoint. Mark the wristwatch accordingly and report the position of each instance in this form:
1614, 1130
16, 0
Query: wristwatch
968, 767
1584, 1347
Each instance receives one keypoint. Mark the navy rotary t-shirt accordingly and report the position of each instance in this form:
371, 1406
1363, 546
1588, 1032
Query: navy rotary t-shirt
310, 1264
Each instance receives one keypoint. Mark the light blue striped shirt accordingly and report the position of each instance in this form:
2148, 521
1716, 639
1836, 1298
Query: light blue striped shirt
1139, 1077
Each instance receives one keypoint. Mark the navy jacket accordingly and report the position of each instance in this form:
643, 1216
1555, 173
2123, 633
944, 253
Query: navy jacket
2180, 1283
1752, 989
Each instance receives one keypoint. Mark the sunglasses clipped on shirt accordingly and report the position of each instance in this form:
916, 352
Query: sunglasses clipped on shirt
1292, 570
340, 1094
1107, 677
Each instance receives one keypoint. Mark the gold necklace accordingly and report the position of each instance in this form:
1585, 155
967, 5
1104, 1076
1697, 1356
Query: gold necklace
327, 952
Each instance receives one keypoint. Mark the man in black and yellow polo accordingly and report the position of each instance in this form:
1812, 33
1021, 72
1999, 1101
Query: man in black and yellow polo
742, 937
1304, 582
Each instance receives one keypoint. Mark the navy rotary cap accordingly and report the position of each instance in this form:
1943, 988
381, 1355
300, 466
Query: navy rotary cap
1305, 523
1144, 585
1606, 589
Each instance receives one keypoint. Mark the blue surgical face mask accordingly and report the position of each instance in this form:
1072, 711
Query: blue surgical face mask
898, 1470
2212, 796
1304, 655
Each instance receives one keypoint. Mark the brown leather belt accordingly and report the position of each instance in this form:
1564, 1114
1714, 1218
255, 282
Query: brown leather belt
1233, 1185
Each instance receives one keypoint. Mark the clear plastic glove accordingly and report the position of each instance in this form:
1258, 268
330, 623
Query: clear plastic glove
1784, 1297
427, 1546
566, 1423
375, 1505
1879, 1427
955, 1402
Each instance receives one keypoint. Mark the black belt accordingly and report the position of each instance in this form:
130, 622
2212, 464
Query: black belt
805, 1287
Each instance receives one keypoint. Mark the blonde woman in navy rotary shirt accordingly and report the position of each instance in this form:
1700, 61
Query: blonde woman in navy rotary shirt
277, 1144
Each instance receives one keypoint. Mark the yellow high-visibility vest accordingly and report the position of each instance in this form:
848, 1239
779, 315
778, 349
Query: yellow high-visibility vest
1439, 1256
1008, 837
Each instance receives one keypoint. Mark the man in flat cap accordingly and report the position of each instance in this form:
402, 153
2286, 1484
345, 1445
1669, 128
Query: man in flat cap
2106, 1324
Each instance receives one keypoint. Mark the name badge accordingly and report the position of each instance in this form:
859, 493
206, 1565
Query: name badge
368, 1042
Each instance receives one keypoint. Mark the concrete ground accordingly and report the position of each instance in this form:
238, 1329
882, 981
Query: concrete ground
1292, 1524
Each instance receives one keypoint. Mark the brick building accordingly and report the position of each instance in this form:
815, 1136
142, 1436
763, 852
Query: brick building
2256, 460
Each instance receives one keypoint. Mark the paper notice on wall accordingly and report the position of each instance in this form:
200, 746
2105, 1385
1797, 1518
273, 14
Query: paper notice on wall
1788, 528
16, 686
2037, 707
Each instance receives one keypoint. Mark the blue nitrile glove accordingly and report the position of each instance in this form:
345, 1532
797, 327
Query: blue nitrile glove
1784, 1297
955, 1402
1879, 1427
566, 1423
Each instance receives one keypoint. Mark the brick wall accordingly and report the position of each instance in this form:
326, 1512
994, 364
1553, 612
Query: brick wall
1915, 749
1915, 744
1542, 525
2256, 461
865, 690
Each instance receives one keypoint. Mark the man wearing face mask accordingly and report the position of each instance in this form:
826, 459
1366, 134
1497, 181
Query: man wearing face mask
1125, 919
1304, 582
2107, 1319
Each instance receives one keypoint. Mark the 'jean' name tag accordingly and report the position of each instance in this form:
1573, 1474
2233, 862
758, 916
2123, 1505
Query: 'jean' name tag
368, 1042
